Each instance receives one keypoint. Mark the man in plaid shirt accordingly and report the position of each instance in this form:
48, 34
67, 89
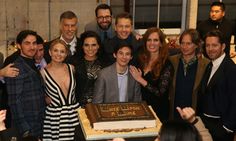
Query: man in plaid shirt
25, 91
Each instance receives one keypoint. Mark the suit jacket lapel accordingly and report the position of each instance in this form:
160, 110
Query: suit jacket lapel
114, 81
200, 72
176, 65
218, 72
214, 78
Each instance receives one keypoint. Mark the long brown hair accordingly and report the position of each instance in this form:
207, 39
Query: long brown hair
144, 56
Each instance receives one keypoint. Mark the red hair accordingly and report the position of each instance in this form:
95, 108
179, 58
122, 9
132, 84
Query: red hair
144, 56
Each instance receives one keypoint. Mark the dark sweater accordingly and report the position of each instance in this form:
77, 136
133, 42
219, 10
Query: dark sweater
184, 86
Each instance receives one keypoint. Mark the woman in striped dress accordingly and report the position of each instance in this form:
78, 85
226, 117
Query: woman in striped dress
61, 112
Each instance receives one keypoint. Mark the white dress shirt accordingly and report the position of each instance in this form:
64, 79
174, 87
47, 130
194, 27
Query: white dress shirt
215, 65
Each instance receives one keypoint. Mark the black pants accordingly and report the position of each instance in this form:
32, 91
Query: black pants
4, 104
216, 129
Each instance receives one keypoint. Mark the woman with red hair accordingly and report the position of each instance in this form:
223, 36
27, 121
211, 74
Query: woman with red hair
155, 72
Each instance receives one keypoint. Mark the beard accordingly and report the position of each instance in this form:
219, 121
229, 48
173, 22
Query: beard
104, 27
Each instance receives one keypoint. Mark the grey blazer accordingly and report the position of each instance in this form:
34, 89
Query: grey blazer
106, 87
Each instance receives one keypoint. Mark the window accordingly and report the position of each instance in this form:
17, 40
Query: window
145, 12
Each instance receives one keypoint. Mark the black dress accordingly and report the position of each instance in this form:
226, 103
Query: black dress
86, 75
156, 91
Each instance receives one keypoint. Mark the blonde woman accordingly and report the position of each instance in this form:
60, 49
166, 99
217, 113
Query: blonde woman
61, 116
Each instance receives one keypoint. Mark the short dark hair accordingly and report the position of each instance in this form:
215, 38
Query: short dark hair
125, 15
121, 45
215, 33
23, 34
68, 15
218, 3
102, 6
179, 131
39, 39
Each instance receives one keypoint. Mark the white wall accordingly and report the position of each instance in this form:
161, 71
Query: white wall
41, 16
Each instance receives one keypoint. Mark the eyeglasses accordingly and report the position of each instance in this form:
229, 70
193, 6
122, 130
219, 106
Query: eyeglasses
102, 18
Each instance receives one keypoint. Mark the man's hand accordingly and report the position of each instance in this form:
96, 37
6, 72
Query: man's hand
9, 71
187, 113
138, 37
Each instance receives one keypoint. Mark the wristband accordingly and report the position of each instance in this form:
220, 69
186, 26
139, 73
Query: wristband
195, 121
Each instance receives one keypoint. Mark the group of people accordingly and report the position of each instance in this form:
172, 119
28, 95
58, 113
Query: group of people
47, 82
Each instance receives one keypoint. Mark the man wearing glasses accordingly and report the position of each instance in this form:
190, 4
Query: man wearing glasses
103, 24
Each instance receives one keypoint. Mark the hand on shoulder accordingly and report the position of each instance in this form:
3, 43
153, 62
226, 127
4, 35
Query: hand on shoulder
9, 71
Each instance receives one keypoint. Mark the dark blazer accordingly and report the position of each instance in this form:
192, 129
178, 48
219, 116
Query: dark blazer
218, 98
47, 57
106, 87
26, 99
202, 63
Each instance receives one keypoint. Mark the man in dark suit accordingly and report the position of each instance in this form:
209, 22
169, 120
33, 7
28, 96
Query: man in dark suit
68, 29
38, 57
26, 91
217, 97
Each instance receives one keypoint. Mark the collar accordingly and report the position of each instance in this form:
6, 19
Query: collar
186, 65
29, 62
73, 42
42, 63
193, 60
217, 22
123, 74
128, 40
219, 60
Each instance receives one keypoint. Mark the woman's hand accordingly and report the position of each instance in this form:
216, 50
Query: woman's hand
137, 75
